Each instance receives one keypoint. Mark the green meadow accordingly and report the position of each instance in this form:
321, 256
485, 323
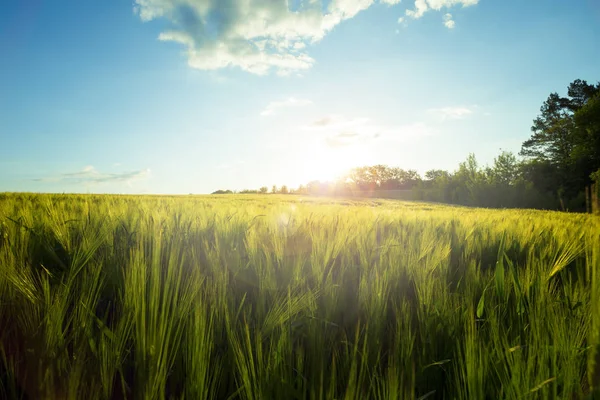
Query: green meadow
289, 297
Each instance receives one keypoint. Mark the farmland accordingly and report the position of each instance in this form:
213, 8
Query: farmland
288, 297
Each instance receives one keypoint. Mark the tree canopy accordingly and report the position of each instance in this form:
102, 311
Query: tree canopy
565, 145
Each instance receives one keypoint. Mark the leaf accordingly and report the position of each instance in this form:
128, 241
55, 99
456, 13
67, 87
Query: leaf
442, 362
514, 274
520, 306
427, 395
541, 385
481, 305
515, 348
499, 273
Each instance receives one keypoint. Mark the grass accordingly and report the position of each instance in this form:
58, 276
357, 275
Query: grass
268, 297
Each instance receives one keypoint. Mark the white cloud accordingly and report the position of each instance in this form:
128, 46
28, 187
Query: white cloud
290, 102
438, 4
422, 6
90, 175
420, 9
445, 113
448, 21
340, 131
255, 35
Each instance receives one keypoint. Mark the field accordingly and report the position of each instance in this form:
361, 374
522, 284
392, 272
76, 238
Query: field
283, 297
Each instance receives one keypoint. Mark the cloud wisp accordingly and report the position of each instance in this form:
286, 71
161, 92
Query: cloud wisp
260, 36
91, 176
448, 21
423, 6
340, 131
275, 106
446, 113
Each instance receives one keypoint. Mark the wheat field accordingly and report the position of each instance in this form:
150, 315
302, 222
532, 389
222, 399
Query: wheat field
287, 297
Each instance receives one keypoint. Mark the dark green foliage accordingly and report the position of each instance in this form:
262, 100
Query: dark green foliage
503, 185
566, 142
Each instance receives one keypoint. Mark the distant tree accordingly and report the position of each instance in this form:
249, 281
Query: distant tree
301, 190
379, 177
284, 190
361, 178
436, 174
409, 178
222, 192
274, 189
379, 174
505, 169
467, 183
263, 189
469, 169
319, 188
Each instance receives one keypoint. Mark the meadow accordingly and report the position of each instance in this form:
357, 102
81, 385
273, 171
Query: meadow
288, 297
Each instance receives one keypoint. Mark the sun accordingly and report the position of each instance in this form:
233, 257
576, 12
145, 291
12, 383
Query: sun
329, 164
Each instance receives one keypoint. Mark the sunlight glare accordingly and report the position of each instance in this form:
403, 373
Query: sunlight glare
328, 164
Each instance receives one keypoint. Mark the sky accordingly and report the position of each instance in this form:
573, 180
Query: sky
191, 96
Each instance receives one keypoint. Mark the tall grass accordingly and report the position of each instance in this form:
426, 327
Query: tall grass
250, 297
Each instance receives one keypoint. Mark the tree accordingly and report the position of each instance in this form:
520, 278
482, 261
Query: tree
467, 182
362, 178
274, 189
469, 169
313, 187
301, 190
552, 133
505, 169
378, 177
436, 174
379, 174
566, 137
284, 190
587, 119
409, 178
263, 189
555, 130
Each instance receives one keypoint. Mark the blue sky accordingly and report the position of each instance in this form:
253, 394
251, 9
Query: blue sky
174, 96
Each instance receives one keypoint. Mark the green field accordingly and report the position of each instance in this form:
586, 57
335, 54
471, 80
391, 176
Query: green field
283, 297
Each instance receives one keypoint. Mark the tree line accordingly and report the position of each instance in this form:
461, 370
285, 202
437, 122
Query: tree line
556, 168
